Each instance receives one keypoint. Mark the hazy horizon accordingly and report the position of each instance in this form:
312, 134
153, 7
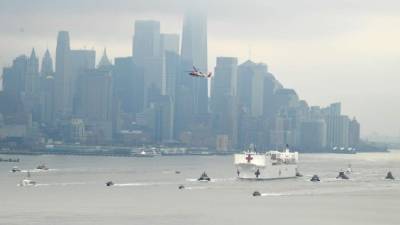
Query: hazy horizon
343, 51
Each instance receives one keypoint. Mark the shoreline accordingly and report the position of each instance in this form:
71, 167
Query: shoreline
114, 154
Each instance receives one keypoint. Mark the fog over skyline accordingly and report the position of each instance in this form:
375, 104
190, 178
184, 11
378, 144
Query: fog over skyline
346, 50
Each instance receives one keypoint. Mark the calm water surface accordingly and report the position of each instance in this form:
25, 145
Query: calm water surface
73, 192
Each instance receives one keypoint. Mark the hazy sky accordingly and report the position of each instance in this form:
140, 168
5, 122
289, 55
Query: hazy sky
342, 50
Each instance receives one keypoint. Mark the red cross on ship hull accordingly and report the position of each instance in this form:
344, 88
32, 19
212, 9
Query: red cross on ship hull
249, 158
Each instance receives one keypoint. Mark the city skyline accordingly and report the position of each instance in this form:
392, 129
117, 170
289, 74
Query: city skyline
338, 83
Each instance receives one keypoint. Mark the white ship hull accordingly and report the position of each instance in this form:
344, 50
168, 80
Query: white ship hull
271, 165
249, 171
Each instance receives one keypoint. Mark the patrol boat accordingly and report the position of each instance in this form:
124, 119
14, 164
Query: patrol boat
27, 181
269, 165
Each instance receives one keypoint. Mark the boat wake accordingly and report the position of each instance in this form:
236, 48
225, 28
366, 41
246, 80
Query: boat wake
61, 184
140, 184
273, 194
196, 188
213, 180
328, 191
39, 170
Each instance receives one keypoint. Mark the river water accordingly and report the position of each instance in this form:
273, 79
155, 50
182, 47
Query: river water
146, 192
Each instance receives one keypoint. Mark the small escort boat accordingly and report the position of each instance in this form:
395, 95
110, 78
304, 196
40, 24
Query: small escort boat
342, 175
15, 169
42, 167
349, 170
389, 176
315, 178
256, 194
204, 177
27, 182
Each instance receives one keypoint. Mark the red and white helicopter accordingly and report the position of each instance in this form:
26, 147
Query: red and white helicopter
196, 73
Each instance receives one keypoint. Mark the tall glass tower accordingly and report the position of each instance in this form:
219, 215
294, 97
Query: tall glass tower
194, 51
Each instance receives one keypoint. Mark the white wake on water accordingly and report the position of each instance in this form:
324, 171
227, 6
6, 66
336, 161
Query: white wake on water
138, 184
61, 184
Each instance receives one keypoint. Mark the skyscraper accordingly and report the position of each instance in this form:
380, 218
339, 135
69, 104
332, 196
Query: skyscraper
223, 98
146, 40
337, 127
80, 61
169, 42
194, 50
47, 90
128, 85
47, 100
94, 104
62, 72
15, 76
32, 81
146, 53
313, 135
32, 75
172, 71
105, 63
225, 80
250, 87
47, 65
94, 93
354, 133
183, 100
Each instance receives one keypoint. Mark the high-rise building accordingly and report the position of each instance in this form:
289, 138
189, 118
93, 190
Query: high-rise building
337, 127
194, 50
14, 108
251, 77
94, 104
146, 53
47, 100
32, 75
271, 86
157, 119
146, 40
76, 130
164, 119
69, 65
105, 63
313, 135
172, 71
47, 65
94, 96
335, 109
80, 61
354, 133
285, 98
128, 85
14, 77
225, 80
184, 97
282, 132
223, 98
47, 90
31, 97
62, 74
170, 43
